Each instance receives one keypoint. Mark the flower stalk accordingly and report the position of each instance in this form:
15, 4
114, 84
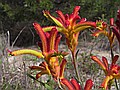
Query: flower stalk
75, 66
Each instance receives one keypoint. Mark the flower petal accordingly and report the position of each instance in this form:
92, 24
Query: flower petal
118, 19
117, 76
81, 26
41, 35
76, 9
74, 20
61, 15
62, 67
47, 14
114, 60
67, 84
75, 84
117, 33
94, 58
87, 23
49, 28
98, 32
88, 85
27, 51
38, 75
105, 62
53, 35
105, 82
37, 68
111, 21
57, 41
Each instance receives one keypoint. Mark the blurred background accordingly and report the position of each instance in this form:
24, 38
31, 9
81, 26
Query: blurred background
17, 16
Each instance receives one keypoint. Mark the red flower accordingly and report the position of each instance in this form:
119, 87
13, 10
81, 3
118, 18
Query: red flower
103, 28
74, 85
111, 30
116, 29
111, 72
69, 25
49, 46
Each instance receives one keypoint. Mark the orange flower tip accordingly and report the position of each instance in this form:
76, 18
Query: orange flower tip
75, 84
38, 76
30, 67
76, 9
58, 11
88, 85
83, 20
90, 81
93, 57
45, 12
117, 56
112, 21
67, 83
34, 24
10, 52
95, 35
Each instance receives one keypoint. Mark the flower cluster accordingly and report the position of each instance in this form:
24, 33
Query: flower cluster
70, 26
110, 31
111, 71
54, 60
49, 47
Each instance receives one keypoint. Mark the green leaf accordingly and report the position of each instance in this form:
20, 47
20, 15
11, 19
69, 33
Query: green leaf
48, 87
35, 79
76, 54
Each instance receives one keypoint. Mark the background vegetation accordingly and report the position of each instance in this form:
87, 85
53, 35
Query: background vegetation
18, 15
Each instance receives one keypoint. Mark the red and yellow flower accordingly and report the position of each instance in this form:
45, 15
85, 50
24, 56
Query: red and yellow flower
69, 25
111, 30
49, 47
103, 28
116, 29
74, 85
111, 72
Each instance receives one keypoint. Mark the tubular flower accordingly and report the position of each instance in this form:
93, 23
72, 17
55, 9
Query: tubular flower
110, 31
43, 68
50, 53
69, 25
26, 51
103, 28
116, 29
111, 72
74, 85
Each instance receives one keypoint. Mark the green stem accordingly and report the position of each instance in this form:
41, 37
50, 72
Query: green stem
116, 84
112, 54
75, 66
59, 84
